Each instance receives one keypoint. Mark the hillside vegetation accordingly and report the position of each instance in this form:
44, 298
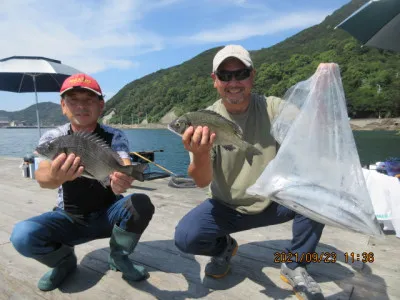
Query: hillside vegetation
49, 113
370, 77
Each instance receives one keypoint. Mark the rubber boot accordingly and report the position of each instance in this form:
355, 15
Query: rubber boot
63, 261
122, 243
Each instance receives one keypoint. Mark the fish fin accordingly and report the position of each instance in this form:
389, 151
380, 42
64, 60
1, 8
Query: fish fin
250, 152
136, 171
104, 182
87, 175
94, 138
228, 147
237, 130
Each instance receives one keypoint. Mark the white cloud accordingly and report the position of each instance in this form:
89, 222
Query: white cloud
96, 35
264, 25
90, 35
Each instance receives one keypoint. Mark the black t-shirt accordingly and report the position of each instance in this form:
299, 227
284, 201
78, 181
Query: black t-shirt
84, 195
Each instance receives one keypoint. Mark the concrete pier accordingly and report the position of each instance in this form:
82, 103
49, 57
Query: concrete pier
173, 275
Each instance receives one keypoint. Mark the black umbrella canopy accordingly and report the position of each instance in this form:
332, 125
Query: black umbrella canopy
376, 24
27, 74
17, 72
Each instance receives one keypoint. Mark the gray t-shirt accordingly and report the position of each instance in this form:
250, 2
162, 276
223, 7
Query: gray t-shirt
232, 174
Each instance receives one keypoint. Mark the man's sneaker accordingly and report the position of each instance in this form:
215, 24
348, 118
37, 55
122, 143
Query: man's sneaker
219, 265
303, 284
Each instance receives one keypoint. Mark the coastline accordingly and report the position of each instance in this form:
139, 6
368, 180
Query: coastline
389, 124
140, 126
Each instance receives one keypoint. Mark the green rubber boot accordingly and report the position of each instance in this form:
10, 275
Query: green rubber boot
63, 261
122, 243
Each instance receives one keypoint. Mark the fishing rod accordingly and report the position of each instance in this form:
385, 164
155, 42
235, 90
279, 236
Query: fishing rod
157, 165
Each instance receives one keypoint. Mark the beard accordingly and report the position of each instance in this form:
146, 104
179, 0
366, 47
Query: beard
234, 95
234, 101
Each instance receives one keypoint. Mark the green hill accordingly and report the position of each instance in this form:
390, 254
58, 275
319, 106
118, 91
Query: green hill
188, 86
50, 114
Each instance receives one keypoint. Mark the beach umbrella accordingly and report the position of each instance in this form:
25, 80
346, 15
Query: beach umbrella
376, 24
27, 74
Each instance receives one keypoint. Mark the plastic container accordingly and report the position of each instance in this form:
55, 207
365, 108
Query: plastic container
25, 170
37, 160
29, 161
32, 170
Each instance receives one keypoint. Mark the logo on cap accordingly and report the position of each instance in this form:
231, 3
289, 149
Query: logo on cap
81, 81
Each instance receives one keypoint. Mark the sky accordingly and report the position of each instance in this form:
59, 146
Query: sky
118, 41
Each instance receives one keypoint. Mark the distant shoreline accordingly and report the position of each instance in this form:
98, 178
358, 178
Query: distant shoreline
26, 127
389, 124
140, 126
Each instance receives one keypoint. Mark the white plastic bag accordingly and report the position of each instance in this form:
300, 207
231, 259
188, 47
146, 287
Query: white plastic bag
317, 171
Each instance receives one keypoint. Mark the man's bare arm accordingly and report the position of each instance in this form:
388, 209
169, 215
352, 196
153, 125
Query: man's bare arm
199, 142
200, 169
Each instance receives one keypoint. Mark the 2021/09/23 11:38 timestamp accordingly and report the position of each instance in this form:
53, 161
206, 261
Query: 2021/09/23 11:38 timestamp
365, 257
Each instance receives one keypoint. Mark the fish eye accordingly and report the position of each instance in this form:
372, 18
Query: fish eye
178, 124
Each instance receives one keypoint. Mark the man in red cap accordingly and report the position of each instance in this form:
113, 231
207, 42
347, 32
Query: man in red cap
86, 210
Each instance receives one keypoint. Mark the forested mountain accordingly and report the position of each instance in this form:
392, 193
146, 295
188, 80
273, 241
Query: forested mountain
370, 76
50, 114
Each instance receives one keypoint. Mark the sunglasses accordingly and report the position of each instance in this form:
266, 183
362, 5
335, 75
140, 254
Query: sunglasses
241, 74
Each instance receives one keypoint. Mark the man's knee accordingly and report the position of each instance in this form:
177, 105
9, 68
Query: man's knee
303, 221
318, 227
187, 239
304, 226
23, 237
141, 210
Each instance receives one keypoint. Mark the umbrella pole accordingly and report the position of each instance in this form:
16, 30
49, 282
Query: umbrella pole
37, 108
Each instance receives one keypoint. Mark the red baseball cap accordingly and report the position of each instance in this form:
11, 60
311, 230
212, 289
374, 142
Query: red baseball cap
81, 81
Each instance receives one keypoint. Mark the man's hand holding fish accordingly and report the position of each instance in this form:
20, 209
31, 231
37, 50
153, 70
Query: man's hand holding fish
120, 182
63, 168
198, 140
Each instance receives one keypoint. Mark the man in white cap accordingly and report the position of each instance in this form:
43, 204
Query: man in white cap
206, 229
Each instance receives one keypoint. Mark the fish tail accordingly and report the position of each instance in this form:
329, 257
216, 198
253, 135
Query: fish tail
250, 152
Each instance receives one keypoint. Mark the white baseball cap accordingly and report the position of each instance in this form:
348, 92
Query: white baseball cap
236, 51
